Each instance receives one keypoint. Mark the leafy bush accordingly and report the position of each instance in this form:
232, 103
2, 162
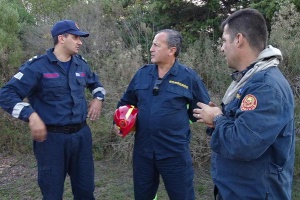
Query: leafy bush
286, 36
10, 48
116, 60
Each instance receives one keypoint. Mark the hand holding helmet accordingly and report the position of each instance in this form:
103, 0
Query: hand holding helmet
125, 118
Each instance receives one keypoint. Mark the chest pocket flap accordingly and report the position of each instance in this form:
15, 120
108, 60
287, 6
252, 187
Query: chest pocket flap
53, 89
181, 91
142, 86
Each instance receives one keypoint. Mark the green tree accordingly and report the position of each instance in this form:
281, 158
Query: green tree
24, 16
285, 35
43, 10
10, 45
192, 19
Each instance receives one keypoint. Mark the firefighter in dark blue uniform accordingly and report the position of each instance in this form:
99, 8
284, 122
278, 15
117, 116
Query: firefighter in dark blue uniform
165, 94
54, 84
253, 140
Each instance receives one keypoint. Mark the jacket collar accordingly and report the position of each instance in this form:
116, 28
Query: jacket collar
52, 58
173, 70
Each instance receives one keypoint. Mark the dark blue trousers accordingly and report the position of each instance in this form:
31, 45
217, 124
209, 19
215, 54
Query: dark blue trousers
61, 154
176, 172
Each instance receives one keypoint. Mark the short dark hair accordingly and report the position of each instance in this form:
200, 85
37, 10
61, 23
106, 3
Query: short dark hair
174, 39
55, 38
251, 24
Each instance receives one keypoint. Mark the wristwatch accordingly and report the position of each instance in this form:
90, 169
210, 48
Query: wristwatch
99, 98
216, 118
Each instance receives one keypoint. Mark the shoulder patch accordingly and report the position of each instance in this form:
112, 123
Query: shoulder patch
19, 75
249, 102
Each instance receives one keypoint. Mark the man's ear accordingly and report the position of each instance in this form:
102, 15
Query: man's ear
172, 50
239, 39
61, 39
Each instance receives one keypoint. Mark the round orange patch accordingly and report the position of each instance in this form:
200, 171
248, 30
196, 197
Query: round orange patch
249, 102
123, 123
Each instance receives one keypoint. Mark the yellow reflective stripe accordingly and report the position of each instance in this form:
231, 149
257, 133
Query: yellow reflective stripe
129, 112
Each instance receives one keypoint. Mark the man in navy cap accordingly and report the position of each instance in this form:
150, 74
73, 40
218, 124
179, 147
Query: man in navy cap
54, 84
67, 26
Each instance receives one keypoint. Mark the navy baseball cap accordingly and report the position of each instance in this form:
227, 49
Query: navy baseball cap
67, 26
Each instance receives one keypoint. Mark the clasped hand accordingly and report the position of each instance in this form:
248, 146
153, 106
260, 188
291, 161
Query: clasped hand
206, 113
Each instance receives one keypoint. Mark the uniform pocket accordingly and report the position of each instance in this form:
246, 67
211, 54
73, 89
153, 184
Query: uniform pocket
81, 81
275, 169
81, 87
142, 92
178, 97
53, 90
180, 91
141, 86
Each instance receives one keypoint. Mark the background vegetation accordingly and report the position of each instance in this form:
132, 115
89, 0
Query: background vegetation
121, 32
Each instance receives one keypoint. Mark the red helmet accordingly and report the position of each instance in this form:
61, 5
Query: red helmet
125, 117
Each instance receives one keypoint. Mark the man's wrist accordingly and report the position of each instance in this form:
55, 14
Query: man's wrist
216, 119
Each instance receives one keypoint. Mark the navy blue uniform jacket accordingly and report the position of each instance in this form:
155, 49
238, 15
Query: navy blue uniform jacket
56, 95
253, 149
163, 120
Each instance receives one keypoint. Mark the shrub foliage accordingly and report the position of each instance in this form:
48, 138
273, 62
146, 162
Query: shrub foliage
117, 47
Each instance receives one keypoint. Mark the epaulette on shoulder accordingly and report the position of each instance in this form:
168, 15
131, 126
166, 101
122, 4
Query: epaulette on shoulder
191, 71
81, 58
34, 58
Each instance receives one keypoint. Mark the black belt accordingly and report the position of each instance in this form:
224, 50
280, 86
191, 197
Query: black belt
67, 129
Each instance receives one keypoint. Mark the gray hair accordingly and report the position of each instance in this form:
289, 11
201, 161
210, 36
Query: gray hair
174, 39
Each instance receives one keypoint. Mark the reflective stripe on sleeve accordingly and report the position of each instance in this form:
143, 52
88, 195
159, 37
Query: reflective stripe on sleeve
99, 89
18, 108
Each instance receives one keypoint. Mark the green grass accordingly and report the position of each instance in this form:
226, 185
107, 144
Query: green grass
296, 188
113, 181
